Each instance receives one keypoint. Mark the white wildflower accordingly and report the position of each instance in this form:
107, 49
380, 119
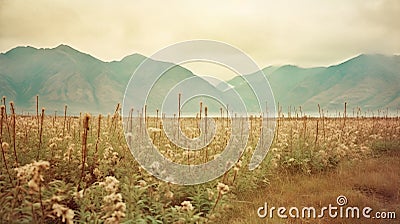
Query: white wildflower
169, 195
113, 206
222, 188
142, 183
110, 184
32, 173
187, 206
63, 211
5, 146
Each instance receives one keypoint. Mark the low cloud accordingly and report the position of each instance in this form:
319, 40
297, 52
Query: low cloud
306, 33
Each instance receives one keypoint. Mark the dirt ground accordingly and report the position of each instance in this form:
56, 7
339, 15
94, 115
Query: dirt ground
374, 183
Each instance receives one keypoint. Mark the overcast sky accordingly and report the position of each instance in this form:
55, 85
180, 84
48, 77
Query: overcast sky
306, 33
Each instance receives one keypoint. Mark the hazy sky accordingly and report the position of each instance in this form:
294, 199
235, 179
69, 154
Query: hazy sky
306, 33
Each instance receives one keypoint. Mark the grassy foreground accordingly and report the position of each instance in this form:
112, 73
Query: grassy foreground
63, 169
373, 182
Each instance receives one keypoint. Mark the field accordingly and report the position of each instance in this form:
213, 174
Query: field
79, 169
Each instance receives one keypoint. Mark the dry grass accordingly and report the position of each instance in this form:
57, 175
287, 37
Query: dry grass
373, 182
311, 162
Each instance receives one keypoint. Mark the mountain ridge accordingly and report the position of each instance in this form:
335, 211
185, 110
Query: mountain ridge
64, 75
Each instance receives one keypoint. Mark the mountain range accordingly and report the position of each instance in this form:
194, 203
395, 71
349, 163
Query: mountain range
63, 75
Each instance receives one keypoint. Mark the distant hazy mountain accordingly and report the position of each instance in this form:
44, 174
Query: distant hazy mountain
371, 82
63, 75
